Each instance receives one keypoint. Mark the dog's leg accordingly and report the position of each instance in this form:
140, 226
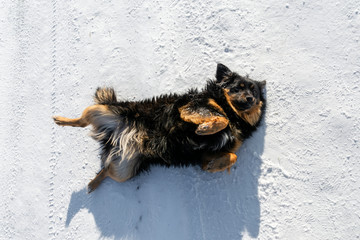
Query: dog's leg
85, 118
118, 170
121, 171
216, 162
74, 122
97, 180
208, 121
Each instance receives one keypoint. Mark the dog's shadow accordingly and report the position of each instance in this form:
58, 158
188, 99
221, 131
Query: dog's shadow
179, 203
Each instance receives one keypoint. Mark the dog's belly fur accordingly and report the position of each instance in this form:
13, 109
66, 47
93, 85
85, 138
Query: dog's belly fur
127, 149
121, 145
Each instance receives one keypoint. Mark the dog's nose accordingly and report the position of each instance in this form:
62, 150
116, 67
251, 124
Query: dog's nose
250, 99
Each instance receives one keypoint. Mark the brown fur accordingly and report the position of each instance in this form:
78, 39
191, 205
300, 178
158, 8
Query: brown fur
196, 128
208, 123
252, 116
85, 118
217, 162
216, 106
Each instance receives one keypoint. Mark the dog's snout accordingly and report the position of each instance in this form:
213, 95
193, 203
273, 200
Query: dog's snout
250, 99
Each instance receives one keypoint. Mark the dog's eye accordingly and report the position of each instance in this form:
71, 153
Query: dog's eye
238, 88
235, 89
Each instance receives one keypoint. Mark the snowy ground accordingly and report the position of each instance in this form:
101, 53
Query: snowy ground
297, 178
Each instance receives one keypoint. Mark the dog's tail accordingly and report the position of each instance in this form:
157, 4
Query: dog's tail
105, 96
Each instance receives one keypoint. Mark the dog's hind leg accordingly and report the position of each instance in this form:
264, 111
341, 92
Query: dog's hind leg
93, 184
118, 170
216, 162
85, 118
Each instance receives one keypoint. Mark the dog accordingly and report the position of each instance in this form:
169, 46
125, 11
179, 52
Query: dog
203, 128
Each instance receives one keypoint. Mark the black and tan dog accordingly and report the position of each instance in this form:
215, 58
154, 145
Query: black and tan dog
196, 128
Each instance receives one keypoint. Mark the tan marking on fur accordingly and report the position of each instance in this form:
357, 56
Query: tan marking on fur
207, 124
212, 126
93, 184
228, 99
233, 150
217, 162
85, 118
188, 115
242, 85
253, 114
216, 106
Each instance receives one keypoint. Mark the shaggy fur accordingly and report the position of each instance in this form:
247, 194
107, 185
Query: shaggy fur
203, 128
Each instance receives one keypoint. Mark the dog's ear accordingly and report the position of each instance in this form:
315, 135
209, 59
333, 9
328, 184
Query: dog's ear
262, 84
222, 72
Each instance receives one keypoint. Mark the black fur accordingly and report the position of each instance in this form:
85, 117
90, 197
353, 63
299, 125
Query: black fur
196, 128
170, 140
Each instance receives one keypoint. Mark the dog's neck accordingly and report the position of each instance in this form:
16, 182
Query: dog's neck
252, 115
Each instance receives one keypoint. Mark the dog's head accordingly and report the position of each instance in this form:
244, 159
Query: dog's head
243, 92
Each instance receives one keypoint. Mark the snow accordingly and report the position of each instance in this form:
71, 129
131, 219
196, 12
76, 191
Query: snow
296, 178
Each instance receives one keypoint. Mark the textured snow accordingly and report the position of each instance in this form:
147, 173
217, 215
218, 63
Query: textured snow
296, 178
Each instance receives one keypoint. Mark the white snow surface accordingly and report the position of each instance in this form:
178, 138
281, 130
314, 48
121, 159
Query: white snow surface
296, 178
